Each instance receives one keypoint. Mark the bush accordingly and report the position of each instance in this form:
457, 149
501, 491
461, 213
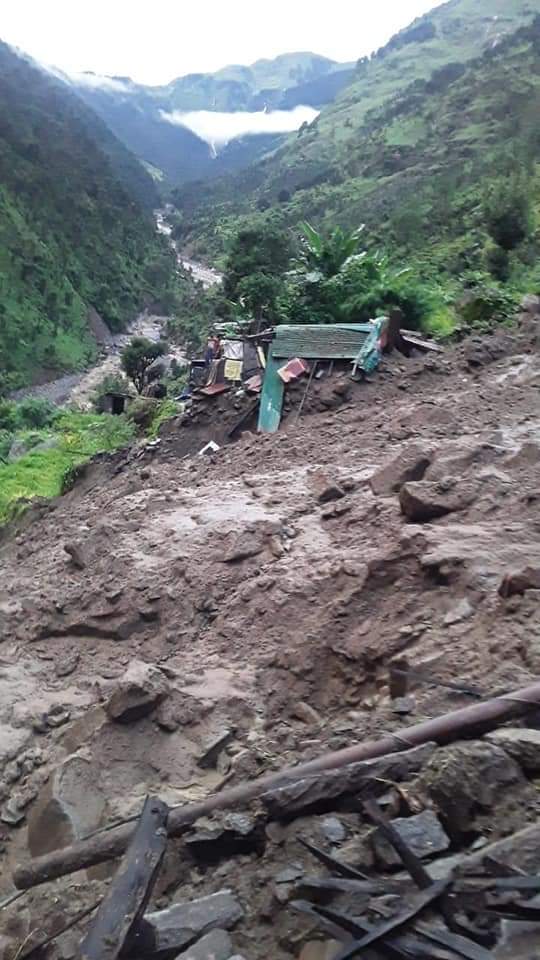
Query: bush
484, 306
508, 210
35, 412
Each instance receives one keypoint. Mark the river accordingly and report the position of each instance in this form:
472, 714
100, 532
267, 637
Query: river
78, 389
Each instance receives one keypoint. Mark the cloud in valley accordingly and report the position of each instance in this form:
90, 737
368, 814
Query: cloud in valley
218, 129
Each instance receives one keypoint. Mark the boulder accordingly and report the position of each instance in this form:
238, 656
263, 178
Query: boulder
333, 830
464, 779
427, 499
422, 833
410, 464
137, 692
520, 743
519, 581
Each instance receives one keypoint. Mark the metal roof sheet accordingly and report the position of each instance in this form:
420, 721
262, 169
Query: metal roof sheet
332, 341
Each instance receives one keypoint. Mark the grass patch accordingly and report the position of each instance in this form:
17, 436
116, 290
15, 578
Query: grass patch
42, 473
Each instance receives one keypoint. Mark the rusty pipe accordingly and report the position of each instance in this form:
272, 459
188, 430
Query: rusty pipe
471, 720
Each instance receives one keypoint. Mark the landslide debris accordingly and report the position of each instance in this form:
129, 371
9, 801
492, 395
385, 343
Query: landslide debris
239, 612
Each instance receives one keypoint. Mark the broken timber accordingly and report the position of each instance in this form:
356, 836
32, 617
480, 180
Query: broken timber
468, 721
122, 908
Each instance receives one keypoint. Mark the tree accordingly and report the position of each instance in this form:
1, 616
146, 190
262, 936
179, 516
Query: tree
258, 294
261, 249
137, 356
327, 255
508, 210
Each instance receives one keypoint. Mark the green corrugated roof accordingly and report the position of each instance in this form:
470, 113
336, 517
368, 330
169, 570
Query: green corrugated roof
332, 341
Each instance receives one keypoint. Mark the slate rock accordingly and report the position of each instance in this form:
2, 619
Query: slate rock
428, 499
530, 303
520, 581
403, 705
423, 834
410, 464
137, 692
520, 743
177, 926
216, 945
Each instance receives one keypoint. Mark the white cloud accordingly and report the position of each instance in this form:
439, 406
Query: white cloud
218, 129
95, 81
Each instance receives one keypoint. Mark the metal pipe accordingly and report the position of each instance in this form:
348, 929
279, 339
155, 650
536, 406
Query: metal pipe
468, 721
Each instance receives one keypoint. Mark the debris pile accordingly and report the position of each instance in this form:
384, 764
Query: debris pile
178, 626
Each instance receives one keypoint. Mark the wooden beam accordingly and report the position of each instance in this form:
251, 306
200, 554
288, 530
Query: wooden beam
122, 908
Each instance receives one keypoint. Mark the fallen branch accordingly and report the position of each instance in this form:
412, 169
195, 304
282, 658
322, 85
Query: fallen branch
466, 722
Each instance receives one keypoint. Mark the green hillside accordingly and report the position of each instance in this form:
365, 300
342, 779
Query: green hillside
71, 235
412, 148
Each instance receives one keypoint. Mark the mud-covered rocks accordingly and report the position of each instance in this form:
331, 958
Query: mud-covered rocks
519, 581
325, 488
410, 464
464, 779
427, 499
137, 692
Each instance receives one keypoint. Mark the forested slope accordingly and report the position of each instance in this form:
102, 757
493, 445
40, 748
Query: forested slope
72, 234
422, 163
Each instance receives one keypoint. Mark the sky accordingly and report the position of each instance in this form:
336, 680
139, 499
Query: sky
154, 42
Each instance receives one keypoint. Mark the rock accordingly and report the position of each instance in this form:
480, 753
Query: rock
212, 750
403, 705
216, 945
12, 813
520, 743
75, 553
520, 581
427, 499
248, 544
423, 834
462, 611
530, 303
67, 664
333, 830
57, 716
326, 490
521, 850
177, 926
303, 711
464, 779
410, 464
137, 693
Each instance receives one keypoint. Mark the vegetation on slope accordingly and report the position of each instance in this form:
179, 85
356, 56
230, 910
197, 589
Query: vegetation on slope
57, 442
71, 235
435, 168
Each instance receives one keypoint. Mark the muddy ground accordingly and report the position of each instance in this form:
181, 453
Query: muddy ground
273, 583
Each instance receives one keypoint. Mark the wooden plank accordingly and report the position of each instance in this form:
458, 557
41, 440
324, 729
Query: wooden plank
121, 909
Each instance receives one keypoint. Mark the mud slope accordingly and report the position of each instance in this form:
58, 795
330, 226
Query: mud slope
272, 584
